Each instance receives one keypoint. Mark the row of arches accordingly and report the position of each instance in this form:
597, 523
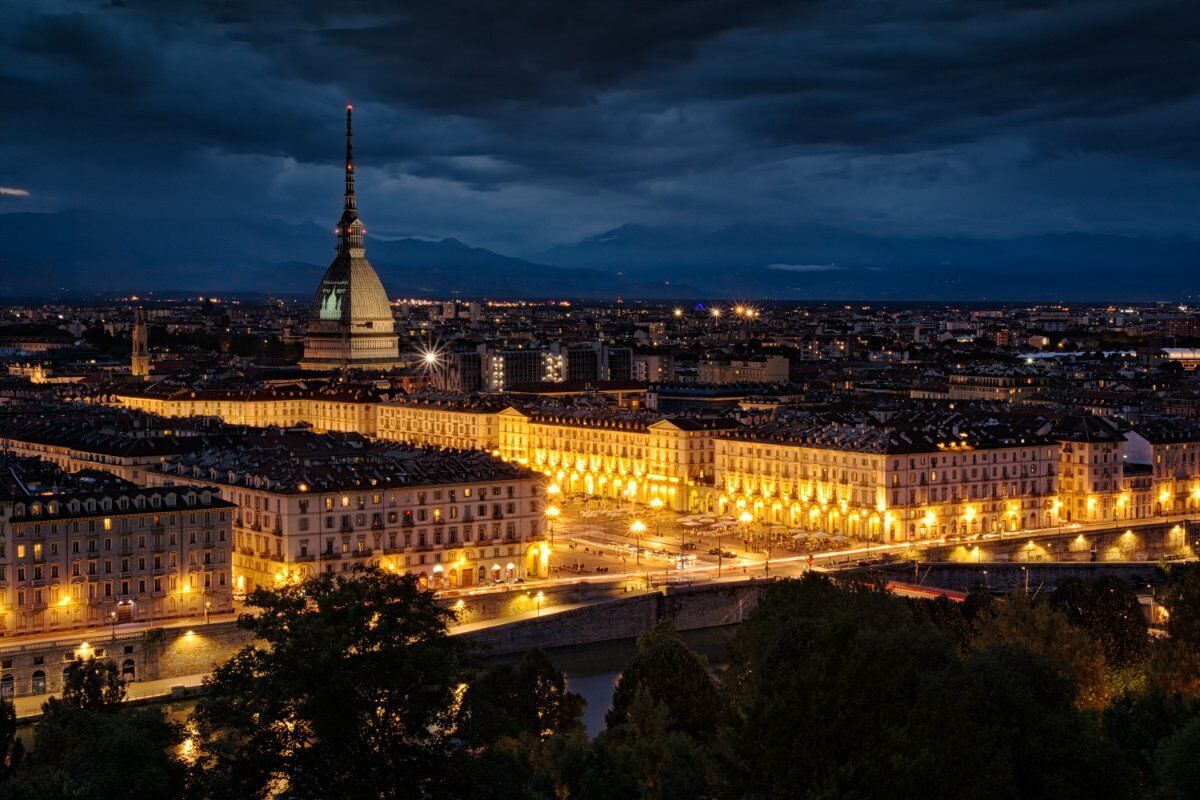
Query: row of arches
38, 680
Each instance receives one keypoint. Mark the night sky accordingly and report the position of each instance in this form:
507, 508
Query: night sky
526, 124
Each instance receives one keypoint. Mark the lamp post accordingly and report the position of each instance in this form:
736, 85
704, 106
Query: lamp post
552, 514
719, 551
656, 505
637, 528
539, 597
112, 615
745, 518
207, 607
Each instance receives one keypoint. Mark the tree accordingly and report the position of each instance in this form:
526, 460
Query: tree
1003, 723
672, 675
88, 685
1176, 765
1108, 610
529, 698
113, 753
815, 707
352, 694
11, 749
1181, 599
641, 756
1020, 622
812, 597
1173, 668
1139, 723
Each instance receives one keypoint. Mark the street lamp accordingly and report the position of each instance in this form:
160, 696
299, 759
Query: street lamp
539, 597
552, 513
656, 505
637, 528
207, 606
745, 518
112, 615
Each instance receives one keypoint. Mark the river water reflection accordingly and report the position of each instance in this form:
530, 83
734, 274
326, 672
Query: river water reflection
592, 669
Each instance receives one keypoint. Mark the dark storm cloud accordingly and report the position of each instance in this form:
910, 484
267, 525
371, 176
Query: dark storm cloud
522, 122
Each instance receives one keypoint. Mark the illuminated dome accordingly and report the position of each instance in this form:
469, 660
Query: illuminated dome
351, 323
351, 292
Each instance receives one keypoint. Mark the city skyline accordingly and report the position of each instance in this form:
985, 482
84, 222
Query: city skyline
730, 400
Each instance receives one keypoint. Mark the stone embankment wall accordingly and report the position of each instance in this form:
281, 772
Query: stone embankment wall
692, 607
1170, 540
143, 655
1007, 576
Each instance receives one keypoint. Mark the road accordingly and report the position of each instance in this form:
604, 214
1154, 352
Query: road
585, 544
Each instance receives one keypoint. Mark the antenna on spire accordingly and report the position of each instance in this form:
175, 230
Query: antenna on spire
349, 142
349, 229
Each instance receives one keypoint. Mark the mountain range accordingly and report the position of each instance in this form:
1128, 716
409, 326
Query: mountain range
48, 254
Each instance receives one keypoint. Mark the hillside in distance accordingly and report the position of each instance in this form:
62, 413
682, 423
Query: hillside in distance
49, 254
83, 252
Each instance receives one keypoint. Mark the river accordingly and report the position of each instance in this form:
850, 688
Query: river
591, 670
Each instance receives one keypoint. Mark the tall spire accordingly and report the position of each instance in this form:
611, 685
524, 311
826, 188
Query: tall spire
350, 229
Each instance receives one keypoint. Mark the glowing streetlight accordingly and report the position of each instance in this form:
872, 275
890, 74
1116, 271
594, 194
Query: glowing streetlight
715, 312
637, 528
678, 312
745, 518
656, 506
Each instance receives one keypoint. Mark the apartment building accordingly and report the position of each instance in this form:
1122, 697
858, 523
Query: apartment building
743, 370
307, 503
456, 421
337, 408
889, 481
91, 550
1092, 475
1009, 384
615, 453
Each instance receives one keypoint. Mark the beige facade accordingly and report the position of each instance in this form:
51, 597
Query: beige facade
438, 425
1002, 387
617, 457
73, 459
757, 370
953, 490
283, 409
478, 532
83, 561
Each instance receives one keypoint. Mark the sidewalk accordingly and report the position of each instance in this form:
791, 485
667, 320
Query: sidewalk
137, 692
